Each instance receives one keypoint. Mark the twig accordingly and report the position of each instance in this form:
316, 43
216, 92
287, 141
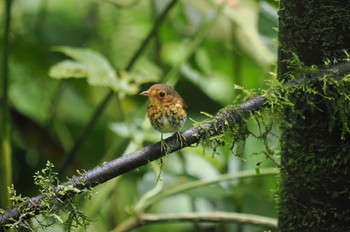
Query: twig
241, 218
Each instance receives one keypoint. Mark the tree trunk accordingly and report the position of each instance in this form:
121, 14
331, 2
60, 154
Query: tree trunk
315, 164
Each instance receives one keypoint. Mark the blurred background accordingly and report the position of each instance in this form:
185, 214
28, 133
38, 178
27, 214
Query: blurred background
67, 55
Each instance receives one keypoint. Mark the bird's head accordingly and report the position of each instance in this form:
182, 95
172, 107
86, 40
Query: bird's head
163, 94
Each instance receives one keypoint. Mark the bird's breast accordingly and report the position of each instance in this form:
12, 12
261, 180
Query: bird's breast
167, 119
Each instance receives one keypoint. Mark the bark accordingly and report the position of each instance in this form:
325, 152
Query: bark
315, 170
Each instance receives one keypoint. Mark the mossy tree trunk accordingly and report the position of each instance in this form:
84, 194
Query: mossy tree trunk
315, 183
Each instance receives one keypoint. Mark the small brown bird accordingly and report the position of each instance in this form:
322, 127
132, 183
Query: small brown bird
166, 111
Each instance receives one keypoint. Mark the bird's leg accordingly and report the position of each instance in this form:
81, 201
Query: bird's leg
163, 146
180, 138
159, 177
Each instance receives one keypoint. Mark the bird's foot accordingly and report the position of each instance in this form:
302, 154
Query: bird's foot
180, 138
164, 147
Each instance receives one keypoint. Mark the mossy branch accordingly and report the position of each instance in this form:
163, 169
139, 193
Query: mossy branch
226, 119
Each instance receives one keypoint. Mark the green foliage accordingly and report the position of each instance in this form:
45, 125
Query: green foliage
315, 88
260, 125
336, 93
55, 200
301, 92
201, 47
314, 147
96, 69
47, 180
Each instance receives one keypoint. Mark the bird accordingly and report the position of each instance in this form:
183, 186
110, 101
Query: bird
166, 111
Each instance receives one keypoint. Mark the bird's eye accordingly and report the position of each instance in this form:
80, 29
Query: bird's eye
162, 94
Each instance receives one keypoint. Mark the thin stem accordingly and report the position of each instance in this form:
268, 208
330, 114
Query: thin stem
217, 217
84, 133
101, 107
143, 204
151, 34
201, 34
5, 159
157, 40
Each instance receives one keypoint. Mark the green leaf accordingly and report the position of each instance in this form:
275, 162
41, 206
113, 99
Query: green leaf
100, 71
68, 69
88, 63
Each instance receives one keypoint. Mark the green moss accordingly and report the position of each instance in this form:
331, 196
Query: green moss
314, 30
313, 114
230, 128
314, 193
214, 131
315, 171
51, 203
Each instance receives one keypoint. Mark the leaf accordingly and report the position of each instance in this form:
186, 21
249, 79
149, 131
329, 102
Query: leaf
68, 69
207, 114
92, 65
145, 71
29, 93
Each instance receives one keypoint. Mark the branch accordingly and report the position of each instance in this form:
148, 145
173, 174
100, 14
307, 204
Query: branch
225, 118
241, 218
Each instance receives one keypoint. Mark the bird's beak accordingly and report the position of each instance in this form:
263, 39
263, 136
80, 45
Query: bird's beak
145, 93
